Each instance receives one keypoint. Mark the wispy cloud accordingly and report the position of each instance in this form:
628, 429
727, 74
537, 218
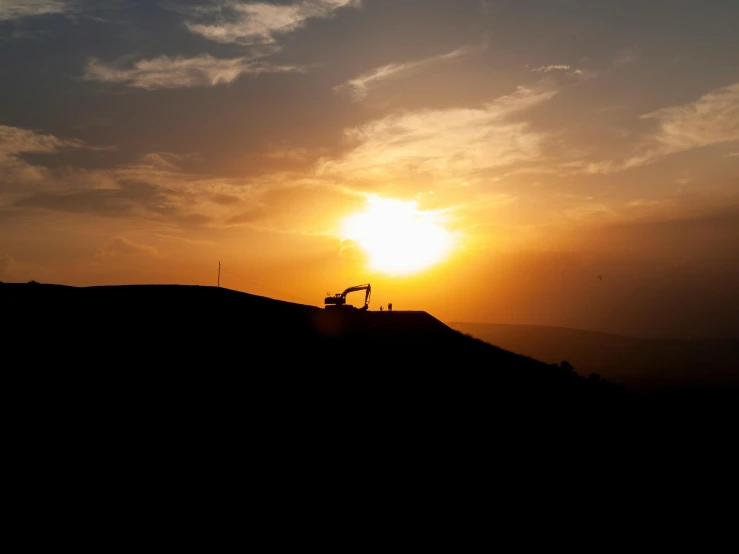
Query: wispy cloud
181, 72
6, 263
548, 68
566, 70
154, 188
247, 23
114, 192
292, 154
446, 143
14, 141
359, 86
627, 55
732, 155
16, 9
592, 211
642, 203
119, 246
144, 190
711, 119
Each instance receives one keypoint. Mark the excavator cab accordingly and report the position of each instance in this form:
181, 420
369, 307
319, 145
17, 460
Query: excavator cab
339, 300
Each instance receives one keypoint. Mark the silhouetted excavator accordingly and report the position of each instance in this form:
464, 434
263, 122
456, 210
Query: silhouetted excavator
339, 300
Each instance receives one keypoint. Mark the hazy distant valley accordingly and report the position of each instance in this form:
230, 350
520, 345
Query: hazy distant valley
628, 360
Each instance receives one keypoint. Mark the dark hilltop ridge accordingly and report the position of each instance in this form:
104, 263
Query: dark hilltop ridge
160, 325
159, 328
177, 345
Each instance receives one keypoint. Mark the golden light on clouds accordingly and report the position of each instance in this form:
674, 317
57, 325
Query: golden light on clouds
397, 237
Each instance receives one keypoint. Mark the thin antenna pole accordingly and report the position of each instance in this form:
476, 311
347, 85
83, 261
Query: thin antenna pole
219, 274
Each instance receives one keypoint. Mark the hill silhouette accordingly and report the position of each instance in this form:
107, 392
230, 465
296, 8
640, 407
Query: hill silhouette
162, 351
157, 328
180, 322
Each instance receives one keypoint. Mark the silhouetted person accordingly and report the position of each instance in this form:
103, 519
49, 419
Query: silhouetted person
380, 308
389, 307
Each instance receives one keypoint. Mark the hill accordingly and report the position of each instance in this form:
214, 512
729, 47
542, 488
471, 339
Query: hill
639, 363
189, 356
162, 333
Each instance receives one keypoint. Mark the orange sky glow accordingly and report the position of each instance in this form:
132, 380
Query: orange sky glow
480, 160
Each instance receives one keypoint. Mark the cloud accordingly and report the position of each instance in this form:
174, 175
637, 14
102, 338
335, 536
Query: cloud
225, 199
445, 144
297, 154
119, 246
14, 141
249, 23
590, 212
710, 120
653, 206
246, 217
548, 68
159, 160
732, 155
19, 176
6, 262
16, 9
153, 189
567, 70
122, 191
180, 72
359, 86
627, 55
122, 202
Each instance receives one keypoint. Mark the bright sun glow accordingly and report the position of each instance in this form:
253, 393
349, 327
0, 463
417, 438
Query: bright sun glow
398, 238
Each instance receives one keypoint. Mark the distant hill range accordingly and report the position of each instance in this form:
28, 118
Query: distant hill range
636, 362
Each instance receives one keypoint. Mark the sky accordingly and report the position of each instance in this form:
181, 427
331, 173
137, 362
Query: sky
565, 163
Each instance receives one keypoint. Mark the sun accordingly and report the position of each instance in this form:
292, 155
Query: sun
397, 237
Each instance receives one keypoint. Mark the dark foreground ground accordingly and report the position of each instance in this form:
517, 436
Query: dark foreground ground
162, 351
161, 407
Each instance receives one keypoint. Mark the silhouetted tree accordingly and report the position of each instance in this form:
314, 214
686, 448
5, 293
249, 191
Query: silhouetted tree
33, 282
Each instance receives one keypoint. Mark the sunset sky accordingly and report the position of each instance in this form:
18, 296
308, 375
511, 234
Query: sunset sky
567, 163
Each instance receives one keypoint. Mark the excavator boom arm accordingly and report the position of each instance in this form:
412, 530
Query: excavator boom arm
340, 299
